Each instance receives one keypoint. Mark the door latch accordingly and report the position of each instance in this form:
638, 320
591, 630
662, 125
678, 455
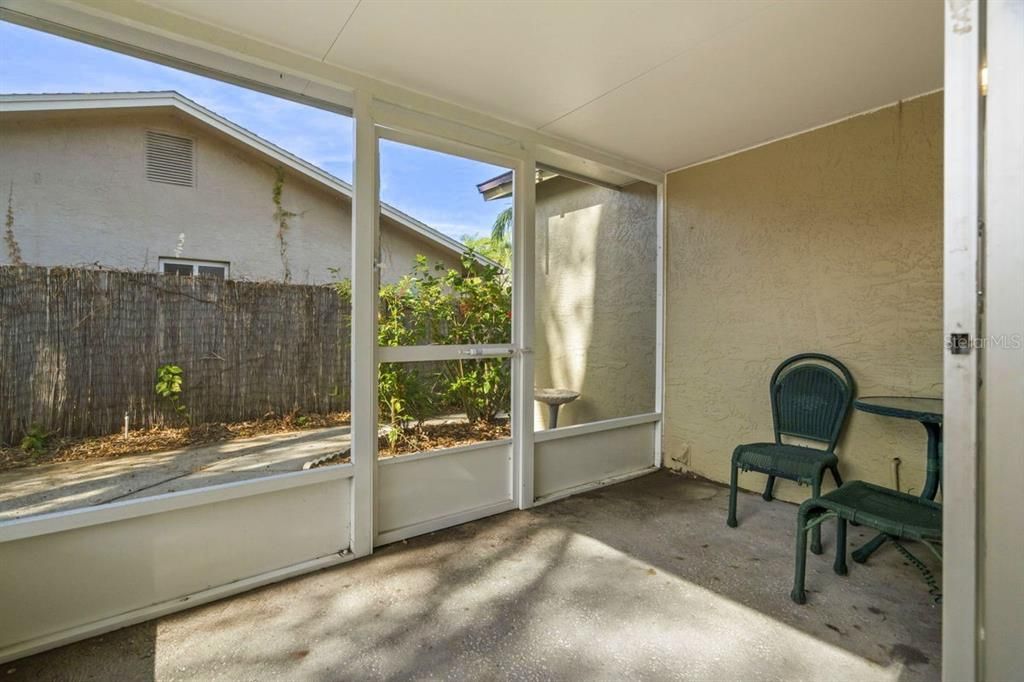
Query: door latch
960, 344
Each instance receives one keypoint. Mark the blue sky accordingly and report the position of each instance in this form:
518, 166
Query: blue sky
435, 188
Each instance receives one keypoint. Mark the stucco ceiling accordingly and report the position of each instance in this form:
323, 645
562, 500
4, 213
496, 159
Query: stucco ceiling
662, 83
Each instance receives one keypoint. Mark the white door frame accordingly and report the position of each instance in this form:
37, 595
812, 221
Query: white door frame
960, 373
1001, 430
984, 383
375, 122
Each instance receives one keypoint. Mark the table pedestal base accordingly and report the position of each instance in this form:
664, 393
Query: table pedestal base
861, 555
931, 485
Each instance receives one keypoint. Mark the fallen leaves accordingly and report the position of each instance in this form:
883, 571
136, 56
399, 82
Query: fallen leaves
142, 441
445, 435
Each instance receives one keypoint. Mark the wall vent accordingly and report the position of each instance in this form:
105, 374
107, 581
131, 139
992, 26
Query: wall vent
170, 159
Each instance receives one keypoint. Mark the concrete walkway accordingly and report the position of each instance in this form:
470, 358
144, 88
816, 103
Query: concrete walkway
70, 485
638, 581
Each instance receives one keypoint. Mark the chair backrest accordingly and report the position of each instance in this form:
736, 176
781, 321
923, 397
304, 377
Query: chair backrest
811, 394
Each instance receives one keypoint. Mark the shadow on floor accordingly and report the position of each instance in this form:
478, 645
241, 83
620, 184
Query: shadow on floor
61, 486
642, 579
881, 612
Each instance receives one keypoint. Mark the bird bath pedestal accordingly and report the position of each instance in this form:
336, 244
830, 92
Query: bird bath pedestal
554, 398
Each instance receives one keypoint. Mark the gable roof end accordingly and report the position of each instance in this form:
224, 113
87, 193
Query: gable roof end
174, 100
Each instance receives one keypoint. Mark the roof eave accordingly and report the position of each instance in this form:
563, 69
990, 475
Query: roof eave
170, 98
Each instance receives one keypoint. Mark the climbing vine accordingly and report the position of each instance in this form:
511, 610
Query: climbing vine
13, 249
281, 217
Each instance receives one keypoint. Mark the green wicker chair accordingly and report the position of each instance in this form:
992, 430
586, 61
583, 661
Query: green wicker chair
811, 395
896, 514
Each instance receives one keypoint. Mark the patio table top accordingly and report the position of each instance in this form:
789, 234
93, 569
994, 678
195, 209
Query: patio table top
902, 407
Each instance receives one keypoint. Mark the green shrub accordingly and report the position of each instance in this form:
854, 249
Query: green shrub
450, 306
170, 386
34, 440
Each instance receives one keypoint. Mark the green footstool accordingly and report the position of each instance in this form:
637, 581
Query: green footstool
897, 515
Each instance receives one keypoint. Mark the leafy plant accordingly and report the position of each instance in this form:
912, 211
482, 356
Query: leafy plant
13, 249
34, 440
438, 305
170, 386
281, 217
434, 304
342, 286
499, 251
502, 226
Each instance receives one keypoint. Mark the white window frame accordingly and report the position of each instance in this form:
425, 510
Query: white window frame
196, 264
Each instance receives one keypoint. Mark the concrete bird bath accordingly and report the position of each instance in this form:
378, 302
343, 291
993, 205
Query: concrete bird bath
554, 398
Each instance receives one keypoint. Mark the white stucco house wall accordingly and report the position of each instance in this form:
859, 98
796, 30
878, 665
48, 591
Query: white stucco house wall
596, 293
153, 181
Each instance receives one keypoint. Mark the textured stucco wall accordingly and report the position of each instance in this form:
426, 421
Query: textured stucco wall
828, 241
596, 298
399, 248
80, 196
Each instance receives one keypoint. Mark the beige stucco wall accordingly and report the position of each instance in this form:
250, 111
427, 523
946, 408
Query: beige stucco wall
399, 248
596, 298
80, 197
828, 241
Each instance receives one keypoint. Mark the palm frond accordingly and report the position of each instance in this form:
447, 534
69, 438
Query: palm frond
502, 226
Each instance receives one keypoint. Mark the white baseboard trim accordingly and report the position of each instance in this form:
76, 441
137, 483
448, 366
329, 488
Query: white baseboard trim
611, 480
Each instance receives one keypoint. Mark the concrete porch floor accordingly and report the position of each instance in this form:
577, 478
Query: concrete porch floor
638, 580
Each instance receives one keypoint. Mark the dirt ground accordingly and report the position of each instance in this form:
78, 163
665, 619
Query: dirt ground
448, 433
444, 433
142, 441
104, 470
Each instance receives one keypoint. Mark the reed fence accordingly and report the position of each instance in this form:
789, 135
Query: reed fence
79, 348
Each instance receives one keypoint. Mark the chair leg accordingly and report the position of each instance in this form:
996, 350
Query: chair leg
769, 488
816, 531
733, 482
798, 594
840, 563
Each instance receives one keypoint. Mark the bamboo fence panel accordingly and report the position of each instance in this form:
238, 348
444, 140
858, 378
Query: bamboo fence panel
79, 348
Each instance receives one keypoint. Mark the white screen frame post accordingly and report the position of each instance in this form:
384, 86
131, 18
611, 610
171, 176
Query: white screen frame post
364, 325
960, 375
659, 366
524, 286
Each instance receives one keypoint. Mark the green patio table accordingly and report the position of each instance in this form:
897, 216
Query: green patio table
927, 411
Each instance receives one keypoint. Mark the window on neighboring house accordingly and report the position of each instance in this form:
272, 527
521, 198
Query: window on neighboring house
183, 267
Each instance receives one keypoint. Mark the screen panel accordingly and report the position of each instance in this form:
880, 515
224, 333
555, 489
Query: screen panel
596, 301
196, 329
450, 281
